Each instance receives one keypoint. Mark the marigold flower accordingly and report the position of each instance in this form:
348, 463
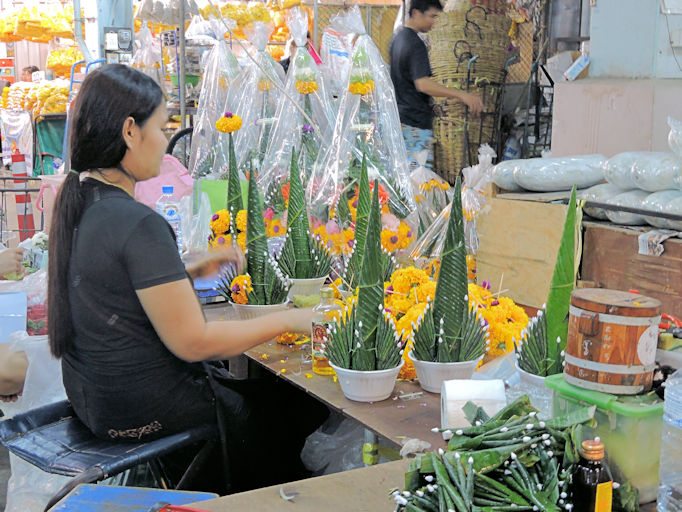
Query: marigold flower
264, 85
241, 241
361, 88
274, 228
306, 87
220, 222
240, 287
241, 220
228, 123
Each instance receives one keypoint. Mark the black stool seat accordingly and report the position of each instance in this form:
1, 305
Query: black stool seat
56, 441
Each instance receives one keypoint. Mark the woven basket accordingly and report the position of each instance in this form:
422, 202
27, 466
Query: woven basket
468, 30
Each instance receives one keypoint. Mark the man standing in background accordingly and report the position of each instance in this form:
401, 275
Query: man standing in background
413, 82
27, 72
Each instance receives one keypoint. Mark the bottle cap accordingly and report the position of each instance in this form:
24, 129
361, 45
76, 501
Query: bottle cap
327, 292
167, 189
593, 450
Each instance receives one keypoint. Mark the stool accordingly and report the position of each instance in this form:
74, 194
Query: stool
56, 441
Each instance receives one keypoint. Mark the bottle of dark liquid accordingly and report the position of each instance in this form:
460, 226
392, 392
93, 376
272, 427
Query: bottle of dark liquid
592, 482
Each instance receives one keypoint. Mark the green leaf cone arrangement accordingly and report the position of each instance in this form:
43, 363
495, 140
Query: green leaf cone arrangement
352, 274
270, 285
234, 190
303, 256
542, 351
448, 329
365, 338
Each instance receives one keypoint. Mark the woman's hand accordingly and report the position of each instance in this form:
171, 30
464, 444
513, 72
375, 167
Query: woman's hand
10, 261
9, 398
299, 320
209, 263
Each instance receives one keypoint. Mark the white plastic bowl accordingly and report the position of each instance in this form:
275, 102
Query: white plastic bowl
306, 286
370, 386
529, 378
249, 311
431, 375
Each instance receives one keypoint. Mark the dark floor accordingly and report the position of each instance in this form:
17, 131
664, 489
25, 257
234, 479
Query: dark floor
4, 476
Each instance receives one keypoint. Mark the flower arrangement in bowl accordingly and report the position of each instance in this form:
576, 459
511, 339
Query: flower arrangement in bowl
263, 288
304, 258
449, 339
364, 348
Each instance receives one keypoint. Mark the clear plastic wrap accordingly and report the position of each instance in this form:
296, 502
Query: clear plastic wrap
618, 170
631, 199
655, 172
561, 173
337, 46
367, 124
503, 175
659, 202
291, 130
256, 99
675, 136
599, 194
433, 193
473, 193
675, 207
148, 56
209, 150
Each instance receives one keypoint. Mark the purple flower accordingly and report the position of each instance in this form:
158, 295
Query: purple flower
215, 216
495, 303
308, 128
390, 288
485, 322
209, 238
235, 288
229, 114
486, 285
394, 239
221, 240
409, 234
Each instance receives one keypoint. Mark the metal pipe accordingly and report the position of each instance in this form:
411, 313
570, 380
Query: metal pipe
181, 70
78, 30
627, 209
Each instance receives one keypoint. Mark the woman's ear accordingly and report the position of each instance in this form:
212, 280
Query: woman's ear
130, 132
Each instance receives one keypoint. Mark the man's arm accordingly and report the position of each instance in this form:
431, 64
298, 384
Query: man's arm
428, 85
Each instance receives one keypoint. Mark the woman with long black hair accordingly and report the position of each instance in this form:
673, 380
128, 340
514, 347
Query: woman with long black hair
122, 312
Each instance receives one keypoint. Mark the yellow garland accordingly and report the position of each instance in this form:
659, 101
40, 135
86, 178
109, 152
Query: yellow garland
220, 222
274, 228
243, 286
241, 220
304, 87
361, 88
241, 241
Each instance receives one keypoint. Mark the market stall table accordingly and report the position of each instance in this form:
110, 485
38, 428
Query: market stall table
395, 419
362, 489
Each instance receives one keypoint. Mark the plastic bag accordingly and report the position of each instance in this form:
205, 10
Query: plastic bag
29, 489
172, 173
337, 46
675, 136
631, 199
35, 287
675, 207
291, 129
200, 229
367, 124
256, 99
16, 127
209, 151
599, 194
618, 170
335, 446
148, 56
433, 193
659, 202
502, 175
655, 172
555, 174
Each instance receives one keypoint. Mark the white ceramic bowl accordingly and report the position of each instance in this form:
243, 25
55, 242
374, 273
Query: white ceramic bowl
529, 378
431, 375
306, 286
249, 311
371, 386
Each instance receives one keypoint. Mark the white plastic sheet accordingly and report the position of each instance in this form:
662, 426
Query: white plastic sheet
148, 56
599, 194
291, 129
631, 199
655, 172
618, 170
209, 151
560, 173
503, 175
368, 123
256, 99
660, 202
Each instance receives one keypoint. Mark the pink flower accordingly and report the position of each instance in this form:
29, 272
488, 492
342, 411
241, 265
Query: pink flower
221, 240
486, 285
390, 222
215, 216
332, 228
390, 288
394, 239
495, 303
269, 214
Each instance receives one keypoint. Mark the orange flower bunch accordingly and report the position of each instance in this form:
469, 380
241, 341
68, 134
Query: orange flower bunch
338, 242
395, 240
228, 123
306, 87
240, 287
361, 88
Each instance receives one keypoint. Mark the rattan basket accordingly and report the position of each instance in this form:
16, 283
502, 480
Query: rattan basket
469, 29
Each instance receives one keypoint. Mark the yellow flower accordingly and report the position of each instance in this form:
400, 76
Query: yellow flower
274, 227
304, 87
218, 241
336, 286
228, 123
264, 85
241, 220
471, 267
241, 240
426, 291
397, 303
361, 87
220, 222
390, 240
432, 268
403, 279
406, 235
239, 288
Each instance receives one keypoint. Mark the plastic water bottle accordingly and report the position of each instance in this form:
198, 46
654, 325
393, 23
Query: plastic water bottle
670, 472
169, 208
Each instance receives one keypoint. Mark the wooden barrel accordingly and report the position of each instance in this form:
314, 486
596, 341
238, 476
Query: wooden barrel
612, 338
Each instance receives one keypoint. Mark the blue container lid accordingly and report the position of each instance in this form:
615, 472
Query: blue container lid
168, 189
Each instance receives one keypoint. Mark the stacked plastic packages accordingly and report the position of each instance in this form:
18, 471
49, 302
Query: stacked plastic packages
304, 121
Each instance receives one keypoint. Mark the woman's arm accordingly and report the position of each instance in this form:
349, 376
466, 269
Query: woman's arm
13, 366
176, 316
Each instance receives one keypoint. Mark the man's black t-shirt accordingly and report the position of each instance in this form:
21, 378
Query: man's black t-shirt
410, 62
119, 376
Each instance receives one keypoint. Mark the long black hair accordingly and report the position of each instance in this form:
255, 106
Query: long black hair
108, 97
